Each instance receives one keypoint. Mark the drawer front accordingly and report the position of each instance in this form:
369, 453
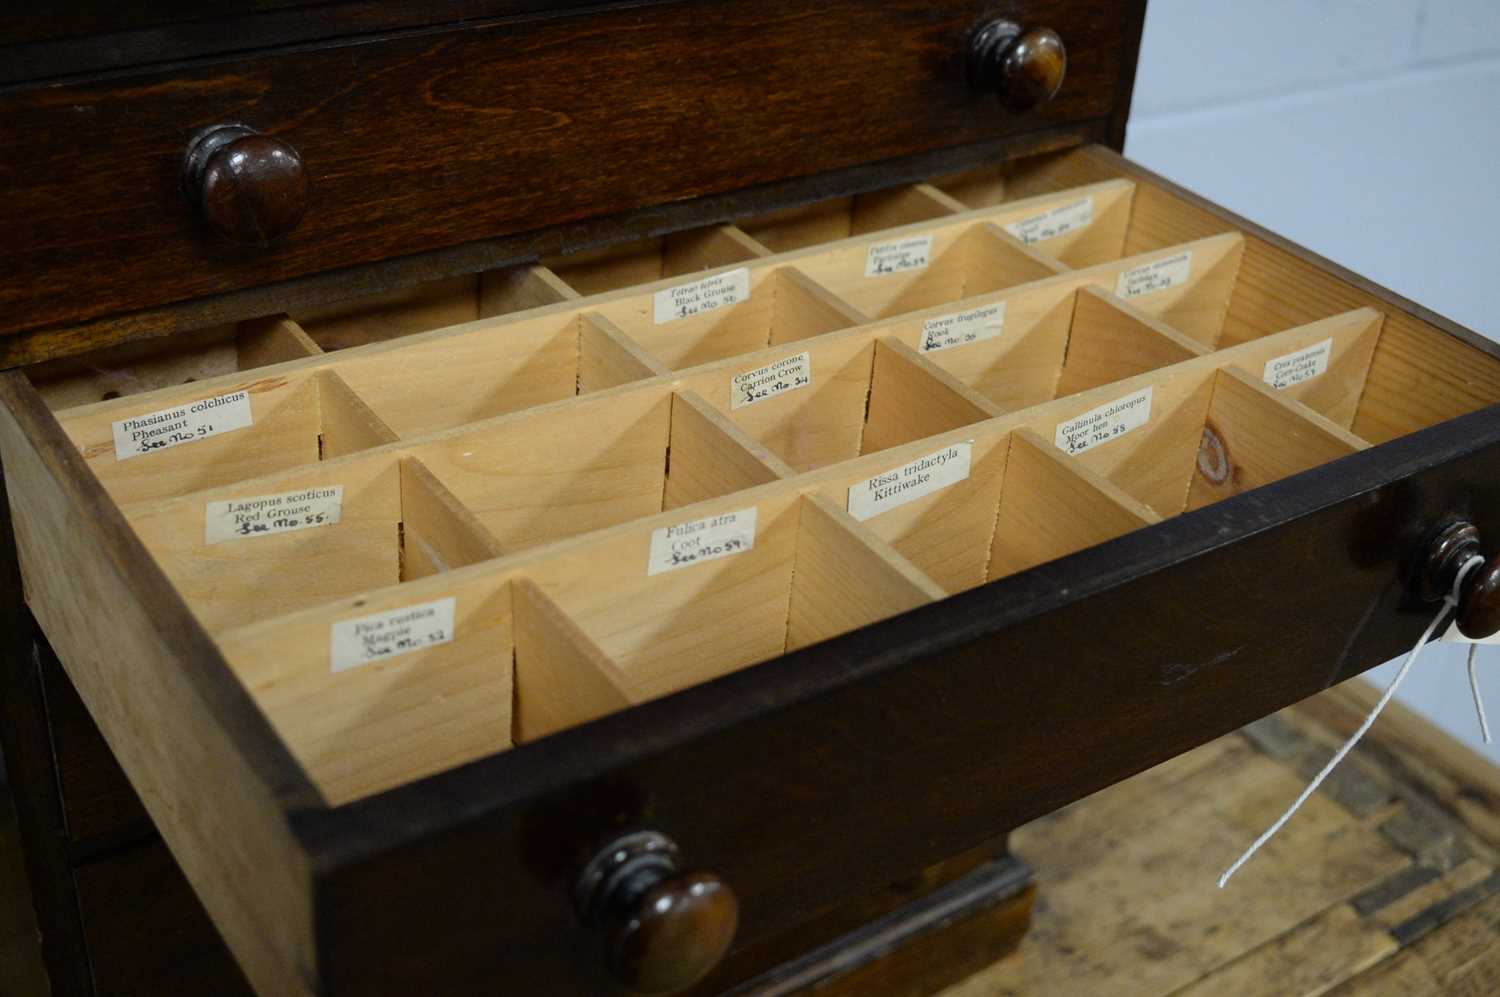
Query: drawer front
916, 738
438, 139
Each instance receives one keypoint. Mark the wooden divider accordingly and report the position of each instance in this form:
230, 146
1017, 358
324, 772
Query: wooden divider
1110, 340
607, 358
562, 677
777, 306
519, 289
438, 532
1053, 506
912, 398
148, 365
711, 456
840, 218
358, 730
846, 577
1253, 436
645, 261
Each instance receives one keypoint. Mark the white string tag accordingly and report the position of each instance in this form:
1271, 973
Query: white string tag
1450, 602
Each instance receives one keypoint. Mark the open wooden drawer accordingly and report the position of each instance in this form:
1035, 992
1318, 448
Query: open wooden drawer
875, 528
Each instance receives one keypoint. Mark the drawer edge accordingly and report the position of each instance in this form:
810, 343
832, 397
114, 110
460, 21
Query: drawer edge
213, 778
953, 702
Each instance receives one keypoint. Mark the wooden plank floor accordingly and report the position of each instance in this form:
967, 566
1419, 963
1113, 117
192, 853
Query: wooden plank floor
1384, 883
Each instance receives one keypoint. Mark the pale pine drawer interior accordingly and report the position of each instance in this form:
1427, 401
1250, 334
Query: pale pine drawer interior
428, 525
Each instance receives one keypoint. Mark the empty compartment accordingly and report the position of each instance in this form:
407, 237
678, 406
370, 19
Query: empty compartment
260, 549
1079, 227
598, 461
147, 365
405, 311
1031, 344
1191, 435
917, 268
726, 314
1052, 506
490, 368
671, 604
933, 501
843, 396
646, 261
842, 217
380, 689
183, 440
1157, 219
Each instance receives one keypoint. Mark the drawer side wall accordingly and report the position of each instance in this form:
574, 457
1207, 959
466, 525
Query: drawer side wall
94, 600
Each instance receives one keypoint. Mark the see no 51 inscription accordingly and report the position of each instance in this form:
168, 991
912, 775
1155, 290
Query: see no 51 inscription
172, 427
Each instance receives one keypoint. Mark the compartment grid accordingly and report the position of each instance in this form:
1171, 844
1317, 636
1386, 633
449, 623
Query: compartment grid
520, 463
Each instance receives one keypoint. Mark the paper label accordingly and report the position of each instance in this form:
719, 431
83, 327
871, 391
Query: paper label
1303, 365
901, 485
897, 256
263, 515
1105, 423
1050, 224
172, 426
962, 328
384, 635
709, 539
686, 300
771, 380
1153, 277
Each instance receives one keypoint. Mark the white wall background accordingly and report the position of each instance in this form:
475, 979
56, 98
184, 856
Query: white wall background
1368, 131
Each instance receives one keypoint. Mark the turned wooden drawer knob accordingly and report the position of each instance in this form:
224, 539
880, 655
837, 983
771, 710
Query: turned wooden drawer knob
1478, 612
664, 929
1024, 67
250, 188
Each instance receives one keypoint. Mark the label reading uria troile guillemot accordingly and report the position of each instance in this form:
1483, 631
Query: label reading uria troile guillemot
1105, 423
384, 635
263, 515
170, 427
1152, 277
903, 484
898, 255
1050, 224
686, 300
963, 328
700, 540
771, 380
1302, 365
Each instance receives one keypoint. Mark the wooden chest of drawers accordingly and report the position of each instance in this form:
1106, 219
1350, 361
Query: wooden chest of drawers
476, 473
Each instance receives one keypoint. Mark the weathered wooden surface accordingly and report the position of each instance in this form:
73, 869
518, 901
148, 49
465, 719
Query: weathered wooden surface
1385, 882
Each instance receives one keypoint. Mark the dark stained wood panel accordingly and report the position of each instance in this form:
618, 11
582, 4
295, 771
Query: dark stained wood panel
910, 739
440, 139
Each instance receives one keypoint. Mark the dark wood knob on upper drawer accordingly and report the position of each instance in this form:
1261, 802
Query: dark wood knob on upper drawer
664, 929
250, 188
1024, 66
1448, 551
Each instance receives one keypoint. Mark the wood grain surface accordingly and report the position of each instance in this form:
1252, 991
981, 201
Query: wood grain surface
414, 143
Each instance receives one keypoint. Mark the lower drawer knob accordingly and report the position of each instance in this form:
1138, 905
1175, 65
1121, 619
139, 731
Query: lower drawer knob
250, 188
664, 929
1025, 67
1447, 551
